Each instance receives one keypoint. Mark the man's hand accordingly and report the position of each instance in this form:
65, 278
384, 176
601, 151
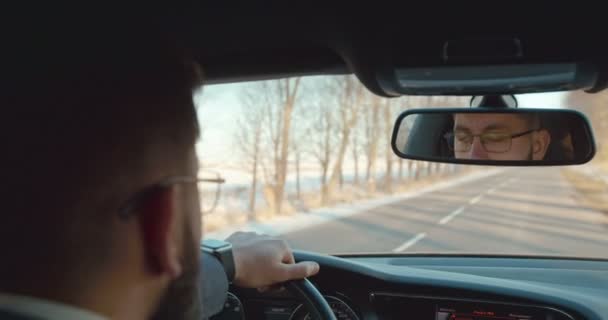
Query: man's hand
262, 261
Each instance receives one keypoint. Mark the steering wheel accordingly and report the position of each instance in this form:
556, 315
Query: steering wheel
313, 300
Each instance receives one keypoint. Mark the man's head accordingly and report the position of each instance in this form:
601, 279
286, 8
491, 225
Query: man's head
484, 136
87, 126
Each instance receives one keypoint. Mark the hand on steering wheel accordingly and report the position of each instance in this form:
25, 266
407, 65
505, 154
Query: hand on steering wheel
263, 261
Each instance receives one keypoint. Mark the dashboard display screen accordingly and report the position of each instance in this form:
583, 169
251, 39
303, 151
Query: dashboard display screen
470, 311
390, 306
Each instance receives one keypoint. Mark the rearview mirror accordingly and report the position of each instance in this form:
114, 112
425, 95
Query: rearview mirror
494, 136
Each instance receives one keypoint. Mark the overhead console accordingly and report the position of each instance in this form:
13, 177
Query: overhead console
395, 306
468, 66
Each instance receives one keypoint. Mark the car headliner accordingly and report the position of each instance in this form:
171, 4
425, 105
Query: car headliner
240, 41
248, 41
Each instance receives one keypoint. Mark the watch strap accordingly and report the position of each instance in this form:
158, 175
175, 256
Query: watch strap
222, 251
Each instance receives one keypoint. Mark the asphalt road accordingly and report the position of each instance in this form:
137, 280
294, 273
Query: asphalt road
518, 211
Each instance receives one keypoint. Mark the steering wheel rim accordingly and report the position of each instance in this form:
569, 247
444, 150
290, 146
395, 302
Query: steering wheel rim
312, 299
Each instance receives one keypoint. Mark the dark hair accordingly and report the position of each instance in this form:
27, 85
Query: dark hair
533, 120
80, 125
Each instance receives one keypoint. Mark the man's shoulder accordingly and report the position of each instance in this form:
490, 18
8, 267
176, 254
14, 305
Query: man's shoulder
10, 315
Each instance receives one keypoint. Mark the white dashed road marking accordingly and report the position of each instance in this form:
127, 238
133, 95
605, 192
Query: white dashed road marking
451, 216
410, 242
476, 199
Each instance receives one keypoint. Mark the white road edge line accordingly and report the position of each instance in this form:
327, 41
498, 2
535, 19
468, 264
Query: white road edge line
451, 216
410, 242
476, 199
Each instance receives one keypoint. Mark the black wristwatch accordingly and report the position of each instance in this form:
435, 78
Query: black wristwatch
222, 250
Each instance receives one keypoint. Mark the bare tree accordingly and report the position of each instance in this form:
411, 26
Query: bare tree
288, 91
356, 149
249, 137
298, 162
399, 106
349, 93
594, 107
300, 143
296, 151
372, 135
279, 99
388, 126
271, 122
322, 132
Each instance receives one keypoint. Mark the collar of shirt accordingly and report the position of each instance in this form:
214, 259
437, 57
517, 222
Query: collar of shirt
44, 309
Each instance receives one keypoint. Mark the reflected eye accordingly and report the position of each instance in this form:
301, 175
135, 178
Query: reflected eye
463, 137
495, 137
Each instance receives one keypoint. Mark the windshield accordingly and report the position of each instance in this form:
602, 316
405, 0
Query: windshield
309, 160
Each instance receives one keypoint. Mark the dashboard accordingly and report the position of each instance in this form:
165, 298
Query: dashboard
441, 288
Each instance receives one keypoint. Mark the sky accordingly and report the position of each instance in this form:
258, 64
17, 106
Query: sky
542, 100
219, 107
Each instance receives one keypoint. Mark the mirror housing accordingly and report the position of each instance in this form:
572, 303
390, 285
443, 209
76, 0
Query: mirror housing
529, 137
486, 79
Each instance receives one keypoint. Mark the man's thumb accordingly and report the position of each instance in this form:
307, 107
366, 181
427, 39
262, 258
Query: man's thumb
301, 270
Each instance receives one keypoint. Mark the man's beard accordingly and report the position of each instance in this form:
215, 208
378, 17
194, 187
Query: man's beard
182, 298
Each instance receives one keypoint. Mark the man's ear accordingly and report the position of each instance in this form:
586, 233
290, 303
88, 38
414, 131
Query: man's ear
157, 220
540, 144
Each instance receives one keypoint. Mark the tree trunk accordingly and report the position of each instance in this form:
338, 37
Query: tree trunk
337, 169
254, 187
324, 168
356, 160
356, 178
410, 168
400, 169
371, 164
284, 150
257, 134
349, 120
436, 168
298, 174
388, 178
324, 196
373, 148
326, 157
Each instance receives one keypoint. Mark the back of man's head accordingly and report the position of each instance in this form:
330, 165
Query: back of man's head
85, 121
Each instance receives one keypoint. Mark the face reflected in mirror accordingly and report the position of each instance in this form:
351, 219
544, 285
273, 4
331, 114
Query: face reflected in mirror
492, 136
487, 136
